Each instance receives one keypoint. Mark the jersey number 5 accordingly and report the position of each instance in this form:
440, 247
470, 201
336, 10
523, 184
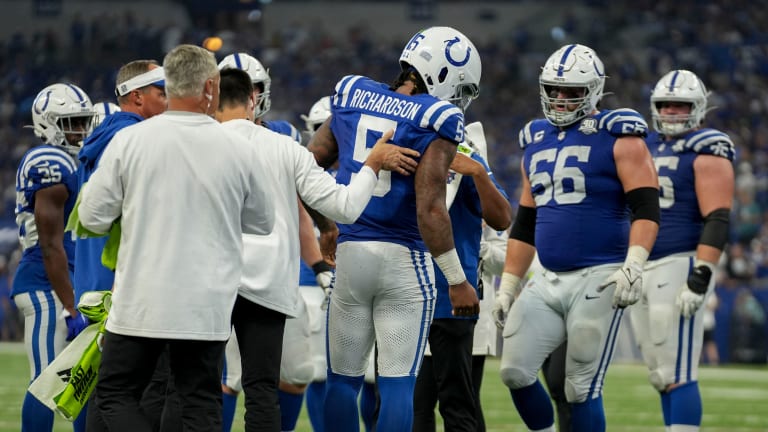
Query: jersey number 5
374, 124
666, 187
554, 185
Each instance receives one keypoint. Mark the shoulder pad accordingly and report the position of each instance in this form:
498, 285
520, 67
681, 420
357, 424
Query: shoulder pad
624, 122
532, 132
284, 128
710, 142
341, 91
48, 165
440, 115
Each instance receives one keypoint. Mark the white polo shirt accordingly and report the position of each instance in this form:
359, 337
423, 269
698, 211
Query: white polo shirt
271, 271
186, 189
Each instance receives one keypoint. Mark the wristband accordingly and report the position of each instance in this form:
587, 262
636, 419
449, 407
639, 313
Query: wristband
321, 266
509, 283
698, 280
450, 265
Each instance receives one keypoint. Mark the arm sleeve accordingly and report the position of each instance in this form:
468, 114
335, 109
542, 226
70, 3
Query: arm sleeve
258, 213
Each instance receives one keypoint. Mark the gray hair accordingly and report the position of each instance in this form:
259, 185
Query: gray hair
187, 67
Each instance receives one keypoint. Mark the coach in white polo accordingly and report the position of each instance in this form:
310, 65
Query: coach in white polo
185, 190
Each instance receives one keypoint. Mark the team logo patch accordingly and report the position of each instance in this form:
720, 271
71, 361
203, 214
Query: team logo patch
451, 177
588, 126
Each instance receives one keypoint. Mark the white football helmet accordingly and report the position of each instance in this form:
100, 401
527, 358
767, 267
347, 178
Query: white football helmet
679, 86
447, 62
103, 109
259, 77
319, 112
574, 66
62, 115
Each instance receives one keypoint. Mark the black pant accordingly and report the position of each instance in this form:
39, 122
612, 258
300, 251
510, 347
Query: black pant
447, 376
127, 366
554, 375
260, 338
159, 401
478, 367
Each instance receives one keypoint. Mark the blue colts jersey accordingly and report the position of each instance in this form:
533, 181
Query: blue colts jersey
582, 217
41, 167
284, 128
681, 219
362, 110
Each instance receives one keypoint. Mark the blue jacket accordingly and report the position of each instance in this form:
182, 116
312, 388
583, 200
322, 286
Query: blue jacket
90, 274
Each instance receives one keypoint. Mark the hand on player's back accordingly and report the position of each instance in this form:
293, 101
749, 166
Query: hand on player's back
391, 156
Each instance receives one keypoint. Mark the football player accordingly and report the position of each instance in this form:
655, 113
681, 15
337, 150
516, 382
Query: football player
46, 190
582, 168
262, 92
103, 109
696, 180
384, 290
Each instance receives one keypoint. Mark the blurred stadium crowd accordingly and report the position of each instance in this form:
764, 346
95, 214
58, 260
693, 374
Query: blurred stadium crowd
726, 45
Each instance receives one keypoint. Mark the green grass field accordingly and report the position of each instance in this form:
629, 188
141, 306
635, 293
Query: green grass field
735, 398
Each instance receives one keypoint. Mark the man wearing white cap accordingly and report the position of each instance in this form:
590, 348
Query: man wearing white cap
140, 94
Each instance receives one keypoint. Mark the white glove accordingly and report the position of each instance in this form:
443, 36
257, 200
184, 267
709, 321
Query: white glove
509, 288
324, 278
628, 279
692, 294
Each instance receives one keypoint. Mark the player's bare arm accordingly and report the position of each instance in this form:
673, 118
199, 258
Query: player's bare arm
310, 249
434, 222
323, 145
520, 253
329, 233
497, 212
636, 170
714, 190
391, 157
49, 217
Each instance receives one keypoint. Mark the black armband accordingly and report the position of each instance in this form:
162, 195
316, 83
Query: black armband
321, 266
524, 228
644, 204
698, 280
716, 228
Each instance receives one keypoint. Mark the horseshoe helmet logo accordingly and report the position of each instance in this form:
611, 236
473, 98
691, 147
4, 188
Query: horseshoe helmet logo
451, 60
